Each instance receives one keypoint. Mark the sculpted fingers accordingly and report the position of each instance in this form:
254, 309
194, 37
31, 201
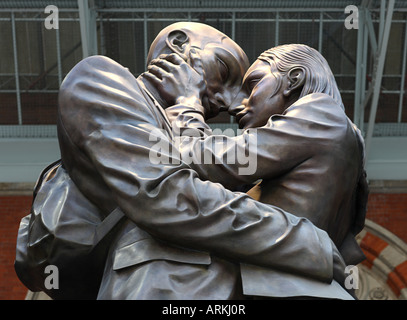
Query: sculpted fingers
174, 64
153, 79
160, 68
196, 61
175, 78
165, 68
173, 58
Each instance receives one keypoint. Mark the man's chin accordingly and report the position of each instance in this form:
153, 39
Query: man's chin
211, 114
212, 110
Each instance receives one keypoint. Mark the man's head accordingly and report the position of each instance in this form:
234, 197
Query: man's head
223, 61
278, 78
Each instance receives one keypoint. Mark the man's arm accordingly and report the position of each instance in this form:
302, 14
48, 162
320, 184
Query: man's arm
267, 152
260, 153
102, 114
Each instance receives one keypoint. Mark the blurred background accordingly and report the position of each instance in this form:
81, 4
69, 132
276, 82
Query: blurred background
368, 58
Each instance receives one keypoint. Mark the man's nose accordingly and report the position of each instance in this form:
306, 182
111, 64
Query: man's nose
223, 100
234, 110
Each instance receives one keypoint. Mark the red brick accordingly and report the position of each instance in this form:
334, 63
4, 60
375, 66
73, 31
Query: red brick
387, 210
12, 209
372, 244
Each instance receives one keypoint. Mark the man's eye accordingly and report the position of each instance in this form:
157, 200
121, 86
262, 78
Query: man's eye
223, 70
252, 83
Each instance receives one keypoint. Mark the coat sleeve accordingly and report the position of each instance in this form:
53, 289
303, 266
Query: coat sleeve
107, 128
267, 152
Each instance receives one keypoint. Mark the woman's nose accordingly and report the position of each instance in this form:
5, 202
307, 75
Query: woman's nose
238, 104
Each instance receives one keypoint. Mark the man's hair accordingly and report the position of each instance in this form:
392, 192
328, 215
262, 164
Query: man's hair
318, 74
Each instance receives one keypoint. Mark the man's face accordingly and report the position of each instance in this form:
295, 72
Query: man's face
264, 96
224, 65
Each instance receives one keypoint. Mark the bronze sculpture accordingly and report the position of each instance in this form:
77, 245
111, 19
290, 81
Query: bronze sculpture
309, 154
176, 226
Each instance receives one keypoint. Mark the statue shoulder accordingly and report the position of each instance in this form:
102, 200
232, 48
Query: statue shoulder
318, 107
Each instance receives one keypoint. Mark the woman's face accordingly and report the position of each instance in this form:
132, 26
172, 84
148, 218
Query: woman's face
264, 87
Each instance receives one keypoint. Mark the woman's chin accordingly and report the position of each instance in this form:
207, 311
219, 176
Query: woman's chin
244, 122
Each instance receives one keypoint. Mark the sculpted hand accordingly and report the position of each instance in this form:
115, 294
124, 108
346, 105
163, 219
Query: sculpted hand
177, 81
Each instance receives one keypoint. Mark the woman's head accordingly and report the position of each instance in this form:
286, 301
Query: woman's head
318, 74
281, 76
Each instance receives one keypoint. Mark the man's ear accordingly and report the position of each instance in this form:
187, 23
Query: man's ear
296, 80
177, 41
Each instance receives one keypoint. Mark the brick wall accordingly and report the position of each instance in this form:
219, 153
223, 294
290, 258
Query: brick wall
12, 209
388, 210
36, 108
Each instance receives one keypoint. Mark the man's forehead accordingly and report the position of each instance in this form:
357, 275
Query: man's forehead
221, 39
237, 52
215, 38
233, 47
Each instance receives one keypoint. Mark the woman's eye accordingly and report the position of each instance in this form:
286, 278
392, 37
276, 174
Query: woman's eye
223, 69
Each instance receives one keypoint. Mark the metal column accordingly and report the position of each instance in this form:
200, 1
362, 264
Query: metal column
13, 29
87, 17
59, 62
321, 31
145, 26
380, 58
403, 75
277, 31
232, 118
365, 33
360, 70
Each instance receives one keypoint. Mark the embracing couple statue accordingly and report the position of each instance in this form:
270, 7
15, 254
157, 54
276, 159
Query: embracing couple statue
123, 222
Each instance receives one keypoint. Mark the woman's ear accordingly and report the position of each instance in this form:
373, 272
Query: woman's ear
177, 41
296, 80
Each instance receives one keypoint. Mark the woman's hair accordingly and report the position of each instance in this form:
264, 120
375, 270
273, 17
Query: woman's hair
318, 74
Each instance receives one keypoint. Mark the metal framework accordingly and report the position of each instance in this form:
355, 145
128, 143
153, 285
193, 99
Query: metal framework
89, 16
379, 47
27, 149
